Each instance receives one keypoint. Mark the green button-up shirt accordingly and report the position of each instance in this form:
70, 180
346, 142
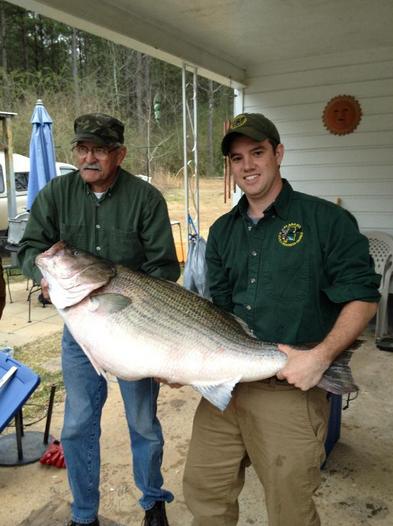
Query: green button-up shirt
288, 275
128, 225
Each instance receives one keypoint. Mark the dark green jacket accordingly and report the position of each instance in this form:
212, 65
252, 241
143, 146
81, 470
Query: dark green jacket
129, 225
288, 275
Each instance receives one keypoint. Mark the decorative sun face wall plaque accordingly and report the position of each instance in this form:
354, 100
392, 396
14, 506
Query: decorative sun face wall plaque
342, 115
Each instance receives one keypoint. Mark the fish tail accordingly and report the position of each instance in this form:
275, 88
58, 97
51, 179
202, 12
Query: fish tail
338, 378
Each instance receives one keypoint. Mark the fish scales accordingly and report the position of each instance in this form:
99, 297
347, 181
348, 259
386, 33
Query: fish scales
198, 313
152, 310
147, 307
196, 317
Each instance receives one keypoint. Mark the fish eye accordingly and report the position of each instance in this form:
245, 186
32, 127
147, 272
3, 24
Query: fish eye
75, 253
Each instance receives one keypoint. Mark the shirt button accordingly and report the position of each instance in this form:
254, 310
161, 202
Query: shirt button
98, 226
253, 280
248, 307
98, 249
253, 252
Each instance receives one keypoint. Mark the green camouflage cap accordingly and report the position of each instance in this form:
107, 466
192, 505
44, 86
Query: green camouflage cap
99, 128
253, 125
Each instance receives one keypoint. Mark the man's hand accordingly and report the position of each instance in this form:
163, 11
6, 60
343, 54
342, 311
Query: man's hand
304, 369
45, 289
162, 381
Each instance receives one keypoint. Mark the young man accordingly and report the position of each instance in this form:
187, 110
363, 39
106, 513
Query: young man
107, 211
296, 269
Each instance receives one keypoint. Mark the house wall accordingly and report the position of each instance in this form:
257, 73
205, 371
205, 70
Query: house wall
354, 169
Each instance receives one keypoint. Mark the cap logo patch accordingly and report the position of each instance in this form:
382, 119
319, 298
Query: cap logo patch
238, 121
290, 234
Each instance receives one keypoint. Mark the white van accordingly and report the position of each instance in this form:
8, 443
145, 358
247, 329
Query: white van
21, 170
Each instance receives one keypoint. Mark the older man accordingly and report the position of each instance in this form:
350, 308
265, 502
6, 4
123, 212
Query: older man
107, 211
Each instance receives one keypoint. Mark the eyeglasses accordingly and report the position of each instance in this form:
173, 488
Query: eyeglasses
100, 153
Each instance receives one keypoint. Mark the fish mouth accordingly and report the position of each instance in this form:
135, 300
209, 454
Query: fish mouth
73, 279
53, 249
51, 263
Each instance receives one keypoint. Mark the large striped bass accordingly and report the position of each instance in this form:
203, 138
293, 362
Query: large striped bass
134, 326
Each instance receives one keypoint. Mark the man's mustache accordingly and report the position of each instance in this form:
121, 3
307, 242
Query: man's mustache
91, 166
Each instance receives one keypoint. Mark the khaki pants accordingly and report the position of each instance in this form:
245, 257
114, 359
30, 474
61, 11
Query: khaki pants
282, 431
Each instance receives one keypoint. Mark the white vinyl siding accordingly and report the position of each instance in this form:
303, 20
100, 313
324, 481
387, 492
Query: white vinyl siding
355, 169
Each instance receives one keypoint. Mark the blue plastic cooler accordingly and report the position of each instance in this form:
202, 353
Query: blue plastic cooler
17, 388
334, 425
17, 383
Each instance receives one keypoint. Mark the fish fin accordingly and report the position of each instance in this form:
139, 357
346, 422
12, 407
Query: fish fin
97, 368
218, 394
356, 344
338, 379
108, 303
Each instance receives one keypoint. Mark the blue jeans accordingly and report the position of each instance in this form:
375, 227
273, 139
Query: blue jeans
86, 393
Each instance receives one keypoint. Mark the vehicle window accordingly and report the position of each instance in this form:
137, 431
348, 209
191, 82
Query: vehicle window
21, 181
2, 187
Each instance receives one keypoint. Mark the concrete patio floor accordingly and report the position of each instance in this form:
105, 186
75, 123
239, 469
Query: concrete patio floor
15, 329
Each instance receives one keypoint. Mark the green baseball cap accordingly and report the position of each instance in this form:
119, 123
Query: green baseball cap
253, 125
99, 128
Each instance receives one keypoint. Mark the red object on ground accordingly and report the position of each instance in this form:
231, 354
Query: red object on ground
54, 455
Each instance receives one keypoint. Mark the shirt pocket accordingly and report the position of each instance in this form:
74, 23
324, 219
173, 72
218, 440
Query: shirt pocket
288, 278
124, 247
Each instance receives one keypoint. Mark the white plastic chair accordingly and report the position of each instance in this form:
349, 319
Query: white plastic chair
16, 228
381, 250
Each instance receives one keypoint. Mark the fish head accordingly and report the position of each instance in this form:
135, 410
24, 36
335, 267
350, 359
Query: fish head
72, 274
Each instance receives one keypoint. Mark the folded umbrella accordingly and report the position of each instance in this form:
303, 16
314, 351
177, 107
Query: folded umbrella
42, 153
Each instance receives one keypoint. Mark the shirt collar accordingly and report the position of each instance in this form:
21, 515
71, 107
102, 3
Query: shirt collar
280, 205
110, 190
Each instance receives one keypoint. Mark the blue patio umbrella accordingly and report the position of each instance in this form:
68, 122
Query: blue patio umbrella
42, 152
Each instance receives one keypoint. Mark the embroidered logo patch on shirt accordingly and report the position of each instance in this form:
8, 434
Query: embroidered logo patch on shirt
290, 234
